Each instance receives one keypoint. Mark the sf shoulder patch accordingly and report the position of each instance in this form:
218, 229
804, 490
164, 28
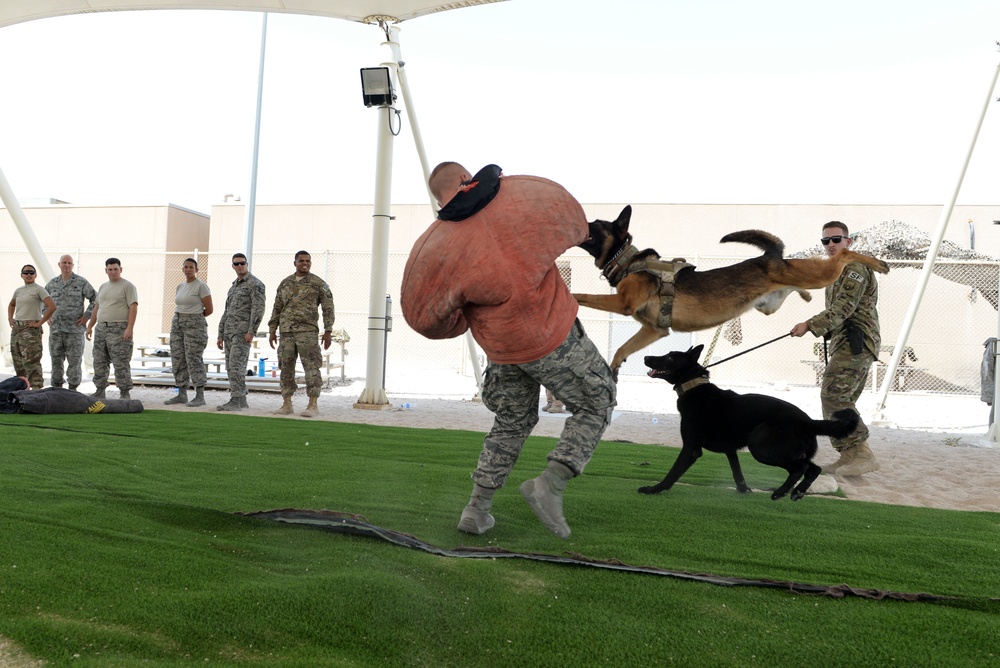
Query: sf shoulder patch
854, 276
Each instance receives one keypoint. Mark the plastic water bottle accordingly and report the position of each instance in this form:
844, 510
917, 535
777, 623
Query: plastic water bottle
274, 370
260, 367
656, 421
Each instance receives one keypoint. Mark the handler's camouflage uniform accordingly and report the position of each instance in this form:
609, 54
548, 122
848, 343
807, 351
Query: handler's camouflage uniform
296, 314
853, 296
243, 314
66, 338
578, 375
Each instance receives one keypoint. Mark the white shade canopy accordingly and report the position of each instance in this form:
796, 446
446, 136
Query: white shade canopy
365, 11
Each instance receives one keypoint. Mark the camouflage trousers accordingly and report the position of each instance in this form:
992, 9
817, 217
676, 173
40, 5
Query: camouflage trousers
304, 346
110, 348
577, 375
26, 352
66, 349
237, 354
188, 338
843, 381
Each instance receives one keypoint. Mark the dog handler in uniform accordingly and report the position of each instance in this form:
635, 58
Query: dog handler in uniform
850, 322
488, 265
189, 335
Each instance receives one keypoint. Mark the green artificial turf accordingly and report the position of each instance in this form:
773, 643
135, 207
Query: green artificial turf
120, 545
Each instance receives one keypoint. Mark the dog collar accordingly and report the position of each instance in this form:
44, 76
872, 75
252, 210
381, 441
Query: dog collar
694, 382
616, 268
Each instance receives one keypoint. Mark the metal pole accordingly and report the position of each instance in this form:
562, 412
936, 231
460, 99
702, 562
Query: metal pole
373, 396
24, 228
251, 206
925, 273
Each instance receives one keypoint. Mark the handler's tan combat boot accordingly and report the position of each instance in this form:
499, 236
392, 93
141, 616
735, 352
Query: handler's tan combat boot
476, 517
312, 410
864, 461
846, 457
286, 407
544, 495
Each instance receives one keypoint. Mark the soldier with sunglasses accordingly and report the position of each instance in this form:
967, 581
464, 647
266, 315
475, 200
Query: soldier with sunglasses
237, 327
850, 324
24, 314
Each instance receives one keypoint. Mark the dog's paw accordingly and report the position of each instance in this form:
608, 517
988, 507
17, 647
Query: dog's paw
648, 490
779, 494
743, 489
796, 495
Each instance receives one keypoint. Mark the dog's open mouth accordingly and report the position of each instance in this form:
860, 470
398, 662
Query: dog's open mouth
656, 373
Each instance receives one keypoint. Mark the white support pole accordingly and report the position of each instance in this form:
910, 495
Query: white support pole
250, 208
404, 92
932, 252
24, 228
373, 396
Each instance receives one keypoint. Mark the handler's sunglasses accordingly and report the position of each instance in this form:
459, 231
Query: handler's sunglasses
837, 239
239, 264
28, 273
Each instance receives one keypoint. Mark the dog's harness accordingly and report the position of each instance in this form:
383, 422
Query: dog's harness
681, 388
622, 264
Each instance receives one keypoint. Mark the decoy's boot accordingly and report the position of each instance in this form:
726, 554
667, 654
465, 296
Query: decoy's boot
286, 407
476, 517
544, 495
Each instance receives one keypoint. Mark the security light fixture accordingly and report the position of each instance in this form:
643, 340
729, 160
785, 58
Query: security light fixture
376, 87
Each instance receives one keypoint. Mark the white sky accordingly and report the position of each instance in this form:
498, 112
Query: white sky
716, 101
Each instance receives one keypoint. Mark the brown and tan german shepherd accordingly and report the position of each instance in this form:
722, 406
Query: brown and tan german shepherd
703, 299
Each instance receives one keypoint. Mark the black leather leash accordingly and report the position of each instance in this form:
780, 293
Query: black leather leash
747, 351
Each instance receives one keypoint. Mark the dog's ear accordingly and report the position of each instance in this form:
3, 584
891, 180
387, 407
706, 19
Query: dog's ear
695, 352
624, 218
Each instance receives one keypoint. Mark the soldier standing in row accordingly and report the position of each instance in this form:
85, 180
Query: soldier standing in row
237, 328
114, 316
24, 314
68, 326
296, 314
189, 335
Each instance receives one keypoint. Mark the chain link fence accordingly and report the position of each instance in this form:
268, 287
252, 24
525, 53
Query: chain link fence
944, 349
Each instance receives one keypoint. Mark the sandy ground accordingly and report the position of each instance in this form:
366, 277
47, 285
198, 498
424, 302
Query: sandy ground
942, 459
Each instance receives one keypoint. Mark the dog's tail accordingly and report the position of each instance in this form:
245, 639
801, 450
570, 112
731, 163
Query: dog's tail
767, 242
843, 424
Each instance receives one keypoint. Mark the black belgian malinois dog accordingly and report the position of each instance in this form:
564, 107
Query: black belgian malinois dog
774, 431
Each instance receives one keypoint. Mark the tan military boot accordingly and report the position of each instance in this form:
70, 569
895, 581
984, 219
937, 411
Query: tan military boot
312, 410
476, 517
846, 457
286, 407
864, 461
544, 495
